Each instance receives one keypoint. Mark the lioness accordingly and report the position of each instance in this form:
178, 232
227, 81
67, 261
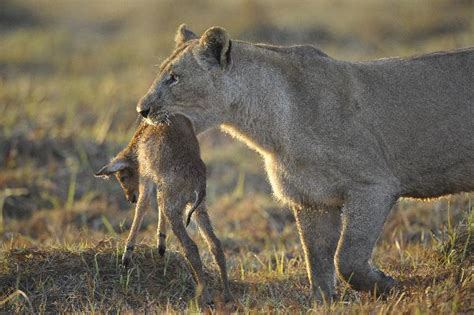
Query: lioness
166, 158
341, 141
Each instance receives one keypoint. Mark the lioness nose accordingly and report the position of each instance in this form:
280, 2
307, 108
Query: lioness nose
145, 112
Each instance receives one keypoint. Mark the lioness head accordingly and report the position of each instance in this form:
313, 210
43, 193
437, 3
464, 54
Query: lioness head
193, 81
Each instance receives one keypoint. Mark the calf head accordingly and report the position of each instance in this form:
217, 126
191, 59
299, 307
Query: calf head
126, 172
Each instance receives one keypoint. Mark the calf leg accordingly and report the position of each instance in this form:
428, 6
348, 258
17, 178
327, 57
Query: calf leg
363, 216
174, 215
207, 232
319, 231
161, 233
140, 209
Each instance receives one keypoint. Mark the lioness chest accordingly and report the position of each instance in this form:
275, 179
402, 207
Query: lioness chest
302, 186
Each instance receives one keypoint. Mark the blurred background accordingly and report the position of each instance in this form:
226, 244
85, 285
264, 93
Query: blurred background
72, 71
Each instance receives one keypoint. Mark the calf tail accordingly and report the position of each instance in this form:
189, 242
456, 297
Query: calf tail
199, 198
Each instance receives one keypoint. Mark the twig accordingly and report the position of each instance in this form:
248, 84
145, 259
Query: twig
23, 294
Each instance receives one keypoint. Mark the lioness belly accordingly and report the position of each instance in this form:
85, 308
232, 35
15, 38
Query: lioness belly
455, 178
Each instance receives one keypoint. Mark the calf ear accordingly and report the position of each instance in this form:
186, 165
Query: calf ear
215, 46
111, 168
183, 34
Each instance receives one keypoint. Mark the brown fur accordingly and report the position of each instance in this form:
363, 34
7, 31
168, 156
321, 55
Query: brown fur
166, 158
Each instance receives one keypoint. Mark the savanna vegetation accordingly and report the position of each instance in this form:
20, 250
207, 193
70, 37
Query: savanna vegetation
70, 75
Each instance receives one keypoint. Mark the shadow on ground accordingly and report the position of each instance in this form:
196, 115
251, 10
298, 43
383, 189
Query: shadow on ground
93, 278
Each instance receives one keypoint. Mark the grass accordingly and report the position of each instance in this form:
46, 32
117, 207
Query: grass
70, 75
86, 277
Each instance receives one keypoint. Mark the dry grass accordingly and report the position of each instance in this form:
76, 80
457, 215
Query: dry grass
81, 277
70, 74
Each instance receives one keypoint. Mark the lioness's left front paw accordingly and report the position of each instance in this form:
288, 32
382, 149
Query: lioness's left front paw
384, 284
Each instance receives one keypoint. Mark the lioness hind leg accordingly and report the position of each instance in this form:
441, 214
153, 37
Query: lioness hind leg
363, 218
319, 231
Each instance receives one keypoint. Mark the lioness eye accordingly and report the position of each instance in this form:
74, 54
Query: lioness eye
172, 79
123, 178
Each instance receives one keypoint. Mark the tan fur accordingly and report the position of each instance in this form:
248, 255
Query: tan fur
166, 159
341, 141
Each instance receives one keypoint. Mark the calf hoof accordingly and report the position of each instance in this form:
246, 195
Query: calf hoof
211, 305
161, 250
126, 260
230, 304
228, 298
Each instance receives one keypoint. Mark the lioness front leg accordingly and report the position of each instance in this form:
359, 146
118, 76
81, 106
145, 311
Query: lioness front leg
319, 230
363, 217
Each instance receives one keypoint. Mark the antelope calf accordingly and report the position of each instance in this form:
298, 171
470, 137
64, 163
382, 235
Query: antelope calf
165, 159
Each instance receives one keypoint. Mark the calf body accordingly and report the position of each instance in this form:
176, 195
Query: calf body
165, 159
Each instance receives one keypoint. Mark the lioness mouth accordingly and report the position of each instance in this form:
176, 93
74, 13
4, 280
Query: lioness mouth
162, 117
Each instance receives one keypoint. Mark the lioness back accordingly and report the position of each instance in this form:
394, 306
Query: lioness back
419, 108
416, 113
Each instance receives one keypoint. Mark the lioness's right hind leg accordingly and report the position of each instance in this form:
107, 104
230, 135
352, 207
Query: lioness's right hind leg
363, 216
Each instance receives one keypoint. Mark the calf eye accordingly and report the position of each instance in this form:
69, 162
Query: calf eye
123, 178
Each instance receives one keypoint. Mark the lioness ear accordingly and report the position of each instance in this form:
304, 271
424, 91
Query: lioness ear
215, 47
111, 168
183, 34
